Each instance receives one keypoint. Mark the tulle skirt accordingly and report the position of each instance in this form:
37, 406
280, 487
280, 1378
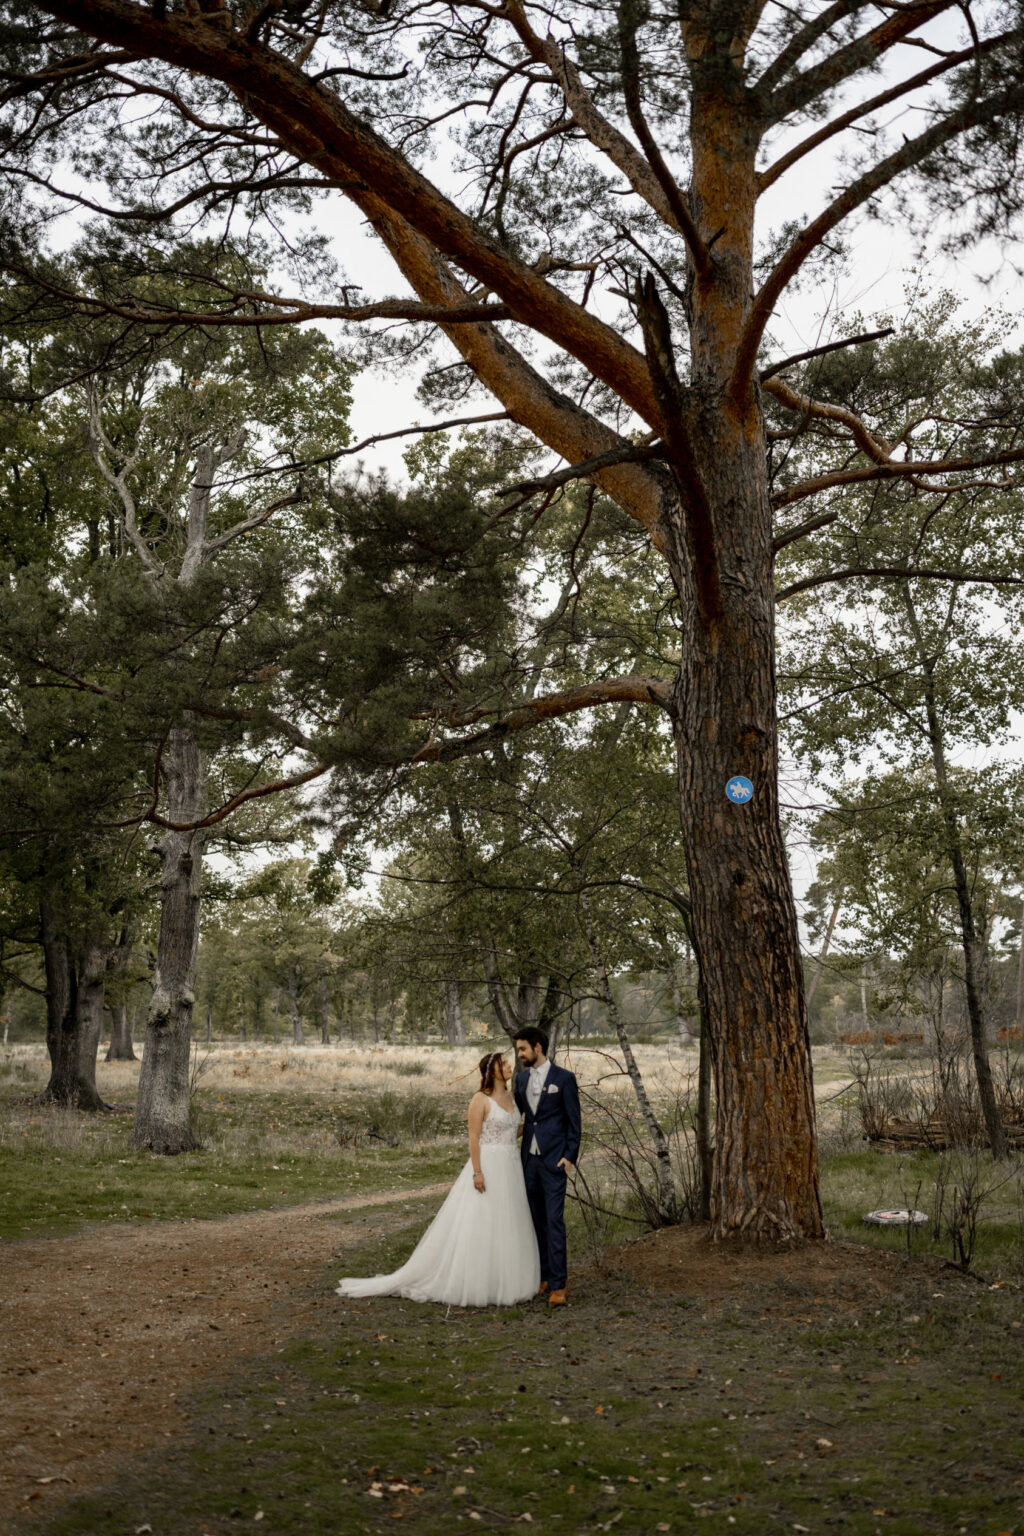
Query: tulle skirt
479, 1251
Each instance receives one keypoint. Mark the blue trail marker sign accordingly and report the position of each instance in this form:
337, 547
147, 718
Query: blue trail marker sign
739, 790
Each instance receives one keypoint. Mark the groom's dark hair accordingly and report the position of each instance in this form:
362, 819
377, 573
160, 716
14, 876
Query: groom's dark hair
533, 1036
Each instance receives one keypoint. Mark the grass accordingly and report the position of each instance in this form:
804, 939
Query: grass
854, 1183
636, 1413
61, 1170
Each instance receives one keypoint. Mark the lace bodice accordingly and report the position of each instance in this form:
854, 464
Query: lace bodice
500, 1127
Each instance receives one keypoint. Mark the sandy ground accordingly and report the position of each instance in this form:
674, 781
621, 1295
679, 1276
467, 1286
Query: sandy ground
102, 1333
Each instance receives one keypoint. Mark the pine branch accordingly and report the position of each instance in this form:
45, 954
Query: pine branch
913, 470
552, 706
897, 573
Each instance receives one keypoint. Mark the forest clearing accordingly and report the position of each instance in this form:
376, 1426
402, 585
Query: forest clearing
171, 1364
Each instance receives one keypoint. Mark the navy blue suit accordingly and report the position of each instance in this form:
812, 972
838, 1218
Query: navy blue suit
557, 1128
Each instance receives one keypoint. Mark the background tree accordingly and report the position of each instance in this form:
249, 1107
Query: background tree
926, 667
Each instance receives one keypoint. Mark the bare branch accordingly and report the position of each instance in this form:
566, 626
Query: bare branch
861, 54
104, 455
242, 311
641, 175
874, 104
830, 346
866, 441
809, 525
229, 806
629, 453
631, 86
912, 152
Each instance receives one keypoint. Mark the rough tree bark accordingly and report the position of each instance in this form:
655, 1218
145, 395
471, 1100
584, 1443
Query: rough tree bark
162, 1115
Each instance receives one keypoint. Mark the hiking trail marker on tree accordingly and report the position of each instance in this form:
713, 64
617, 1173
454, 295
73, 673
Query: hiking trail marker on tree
739, 790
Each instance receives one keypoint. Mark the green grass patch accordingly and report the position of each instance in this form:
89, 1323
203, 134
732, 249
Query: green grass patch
61, 1169
855, 1183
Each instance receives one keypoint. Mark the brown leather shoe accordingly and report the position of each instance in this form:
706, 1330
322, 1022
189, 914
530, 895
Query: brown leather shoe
557, 1299
543, 1288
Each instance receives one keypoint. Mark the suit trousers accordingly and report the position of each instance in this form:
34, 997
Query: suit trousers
545, 1191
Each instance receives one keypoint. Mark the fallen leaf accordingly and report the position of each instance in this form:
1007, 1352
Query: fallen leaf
258, 1515
58, 1477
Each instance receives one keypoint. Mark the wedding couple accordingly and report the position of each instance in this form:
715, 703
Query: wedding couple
499, 1237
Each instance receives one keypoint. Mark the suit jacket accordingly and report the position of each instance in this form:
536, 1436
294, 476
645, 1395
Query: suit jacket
557, 1124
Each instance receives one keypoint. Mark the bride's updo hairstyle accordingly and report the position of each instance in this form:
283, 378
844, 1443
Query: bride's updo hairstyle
489, 1071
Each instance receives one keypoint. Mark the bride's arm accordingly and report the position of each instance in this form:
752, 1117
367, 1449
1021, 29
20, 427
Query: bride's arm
477, 1115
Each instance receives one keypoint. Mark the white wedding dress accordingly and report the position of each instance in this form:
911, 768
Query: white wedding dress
480, 1250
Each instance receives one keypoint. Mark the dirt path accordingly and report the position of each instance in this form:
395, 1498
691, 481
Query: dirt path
102, 1333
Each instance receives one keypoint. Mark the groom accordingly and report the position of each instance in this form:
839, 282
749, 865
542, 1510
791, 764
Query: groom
550, 1100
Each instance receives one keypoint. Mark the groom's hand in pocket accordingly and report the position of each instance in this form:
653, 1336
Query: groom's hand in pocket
565, 1165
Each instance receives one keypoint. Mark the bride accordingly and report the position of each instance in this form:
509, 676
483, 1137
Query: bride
480, 1250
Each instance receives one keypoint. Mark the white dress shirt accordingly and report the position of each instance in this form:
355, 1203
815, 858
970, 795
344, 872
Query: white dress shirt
534, 1089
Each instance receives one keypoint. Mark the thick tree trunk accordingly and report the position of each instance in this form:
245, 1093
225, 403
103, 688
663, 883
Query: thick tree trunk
275, 1009
61, 1006
703, 1125
765, 1179
503, 1010
120, 1048
454, 1025
162, 1117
